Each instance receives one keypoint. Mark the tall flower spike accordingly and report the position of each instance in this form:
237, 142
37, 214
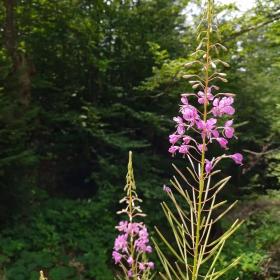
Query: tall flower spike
132, 244
200, 122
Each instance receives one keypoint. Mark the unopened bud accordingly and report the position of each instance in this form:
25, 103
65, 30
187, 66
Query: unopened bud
187, 76
195, 86
213, 65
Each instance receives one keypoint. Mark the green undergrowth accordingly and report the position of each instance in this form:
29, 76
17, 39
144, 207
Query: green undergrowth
66, 239
72, 239
257, 241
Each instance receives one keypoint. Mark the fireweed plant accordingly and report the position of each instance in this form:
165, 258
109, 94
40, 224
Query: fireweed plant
205, 119
132, 244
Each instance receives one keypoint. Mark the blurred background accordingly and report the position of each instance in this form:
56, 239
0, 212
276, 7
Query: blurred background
82, 82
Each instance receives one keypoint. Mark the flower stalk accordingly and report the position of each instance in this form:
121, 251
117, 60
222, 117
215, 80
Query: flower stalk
202, 163
198, 127
132, 244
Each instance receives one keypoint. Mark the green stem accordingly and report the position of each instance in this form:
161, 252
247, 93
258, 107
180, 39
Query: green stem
202, 163
130, 214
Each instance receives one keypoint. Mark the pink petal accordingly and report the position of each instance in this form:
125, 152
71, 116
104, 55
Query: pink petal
237, 158
229, 123
229, 132
184, 100
223, 142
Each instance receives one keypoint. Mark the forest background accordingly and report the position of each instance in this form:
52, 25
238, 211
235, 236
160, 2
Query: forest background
82, 83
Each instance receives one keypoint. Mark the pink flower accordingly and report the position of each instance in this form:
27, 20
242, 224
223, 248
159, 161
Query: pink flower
138, 234
223, 142
181, 129
117, 257
228, 130
184, 100
190, 113
142, 266
141, 244
173, 149
151, 265
166, 189
121, 243
200, 147
208, 166
208, 128
132, 228
180, 125
238, 158
122, 226
187, 139
184, 149
130, 260
202, 98
178, 120
173, 138
223, 106
149, 249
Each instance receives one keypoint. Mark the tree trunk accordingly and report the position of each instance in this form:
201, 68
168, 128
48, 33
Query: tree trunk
22, 68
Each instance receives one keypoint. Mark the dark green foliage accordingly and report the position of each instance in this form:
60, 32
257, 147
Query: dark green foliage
84, 61
67, 239
257, 241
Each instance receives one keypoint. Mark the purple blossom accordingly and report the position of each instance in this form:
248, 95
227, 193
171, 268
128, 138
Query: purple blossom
208, 128
181, 129
180, 125
187, 139
200, 147
208, 166
151, 265
173, 138
132, 228
138, 234
166, 189
142, 266
122, 226
223, 106
237, 157
184, 100
184, 149
149, 249
141, 244
223, 142
202, 97
228, 129
173, 149
178, 120
190, 114
130, 260
117, 257
121, 243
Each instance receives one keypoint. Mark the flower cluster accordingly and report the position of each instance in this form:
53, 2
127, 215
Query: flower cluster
132, 244
137, 235
212, 128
